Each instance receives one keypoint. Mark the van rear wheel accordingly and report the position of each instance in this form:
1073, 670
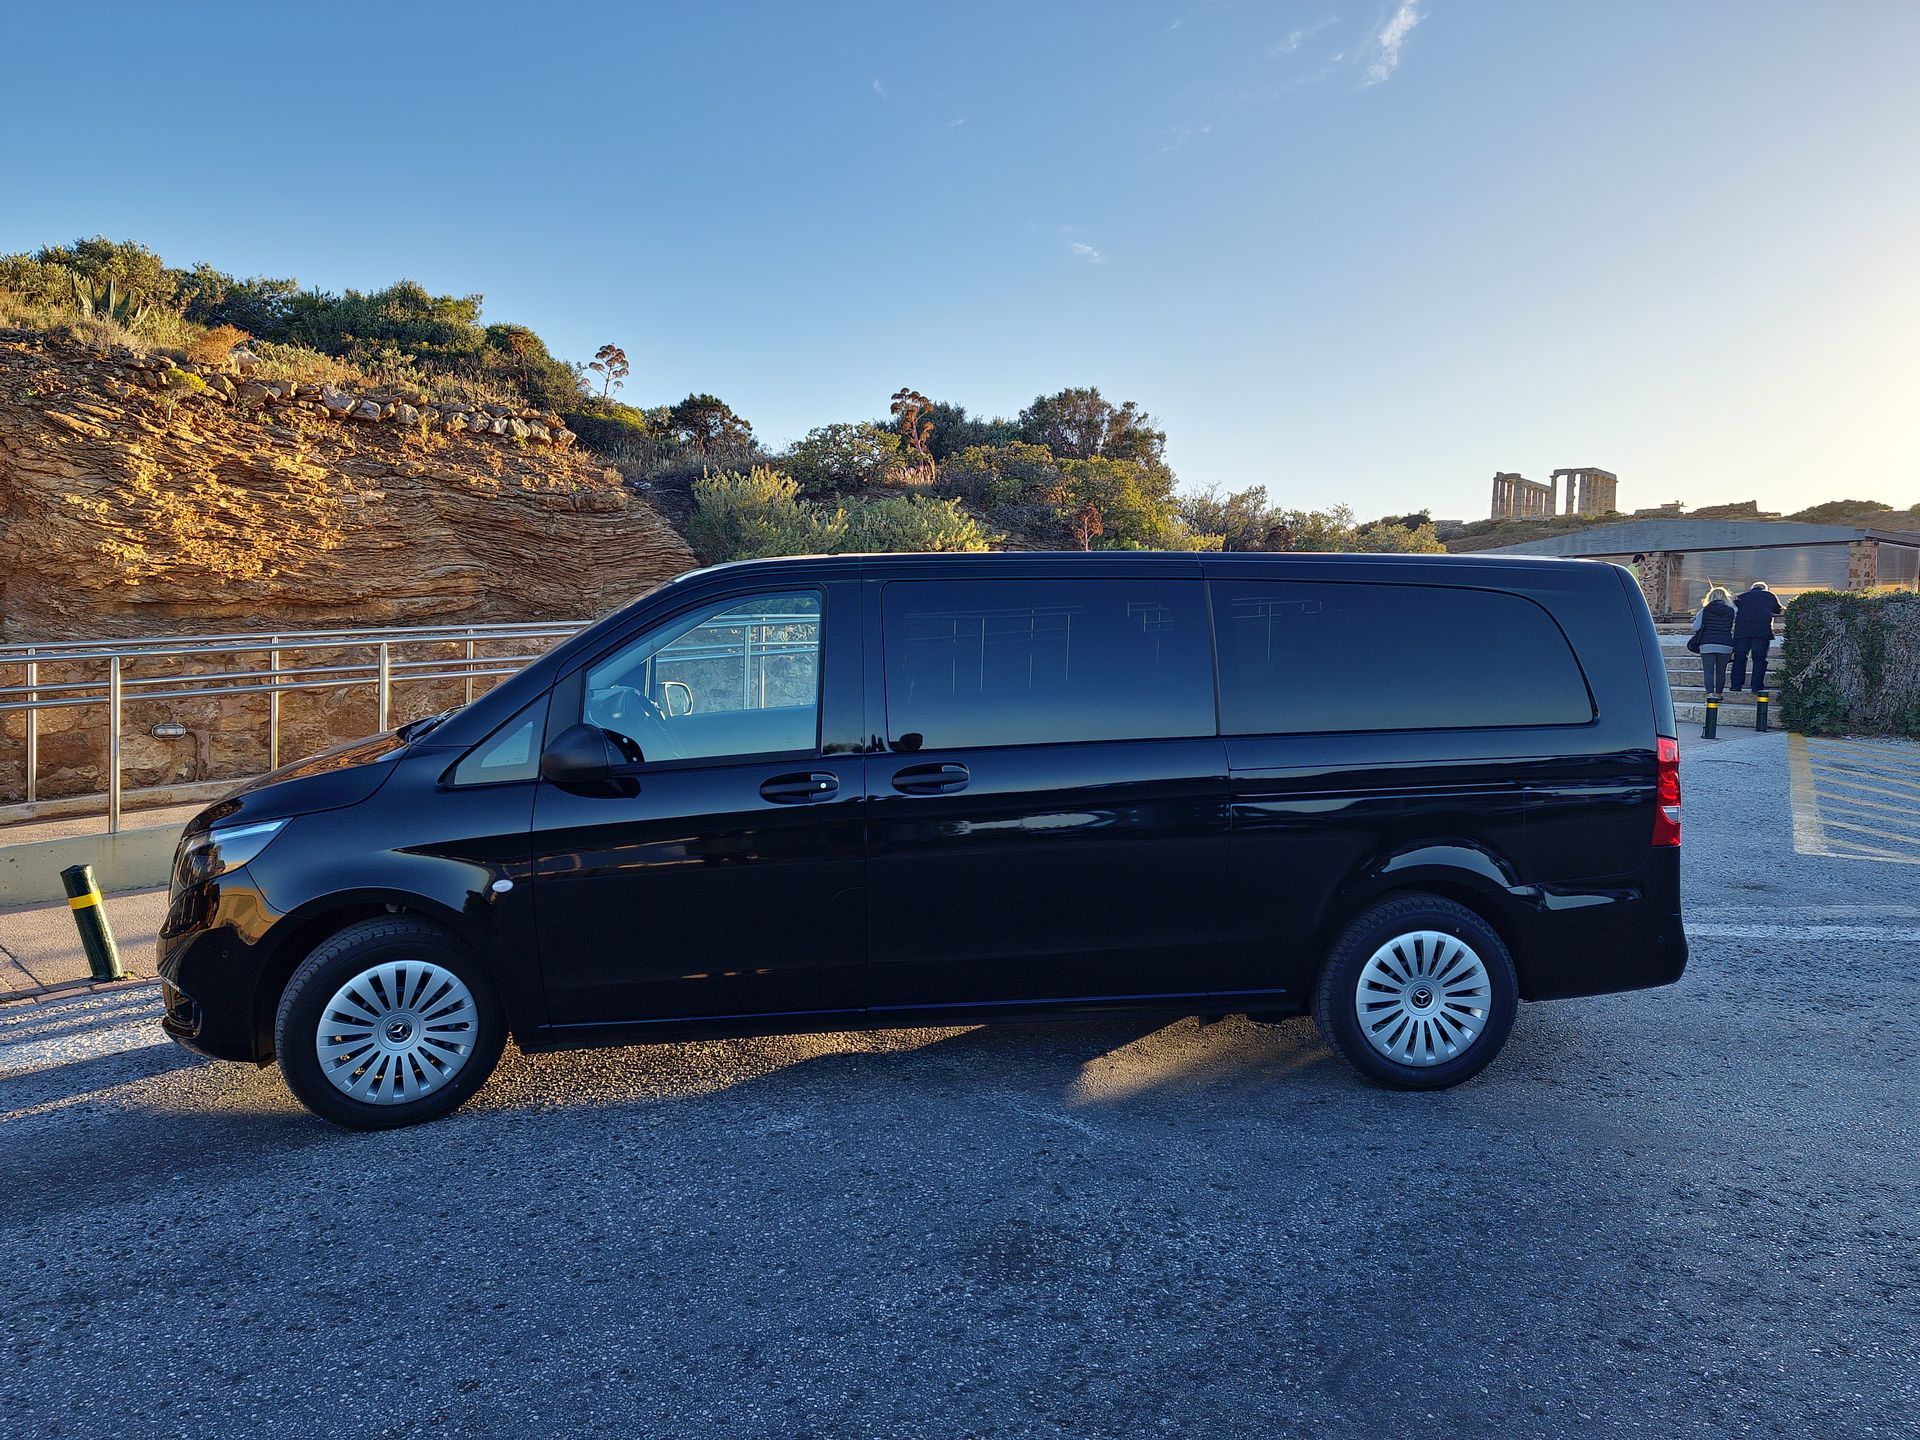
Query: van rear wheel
389, 1023
1418, 993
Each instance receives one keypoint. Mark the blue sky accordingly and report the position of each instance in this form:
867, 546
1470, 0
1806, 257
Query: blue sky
1360, 252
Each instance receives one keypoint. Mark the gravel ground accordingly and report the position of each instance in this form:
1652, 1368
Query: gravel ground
1686, 1212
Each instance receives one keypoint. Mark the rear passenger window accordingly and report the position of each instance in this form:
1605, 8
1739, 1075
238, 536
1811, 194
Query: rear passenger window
1302, 658
1039, 662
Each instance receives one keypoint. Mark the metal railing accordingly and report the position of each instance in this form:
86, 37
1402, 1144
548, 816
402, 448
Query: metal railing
391, 659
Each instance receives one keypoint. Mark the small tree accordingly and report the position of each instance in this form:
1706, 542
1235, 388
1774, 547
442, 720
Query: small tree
1084, 525
913, 412
707, 423
610, 362
845, 457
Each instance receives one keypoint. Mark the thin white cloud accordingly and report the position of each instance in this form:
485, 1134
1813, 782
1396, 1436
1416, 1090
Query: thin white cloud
1181, 134
1295, 39
880, 90
1386, 44
956, 123
1085, 252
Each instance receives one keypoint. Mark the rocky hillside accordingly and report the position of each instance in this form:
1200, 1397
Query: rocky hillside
142, 496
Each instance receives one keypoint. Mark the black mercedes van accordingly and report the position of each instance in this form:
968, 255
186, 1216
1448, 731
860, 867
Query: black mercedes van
1402, 792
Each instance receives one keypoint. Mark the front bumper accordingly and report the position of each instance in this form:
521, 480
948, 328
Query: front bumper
210, 964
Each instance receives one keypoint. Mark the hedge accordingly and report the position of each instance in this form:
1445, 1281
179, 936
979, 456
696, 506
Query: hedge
1852, 663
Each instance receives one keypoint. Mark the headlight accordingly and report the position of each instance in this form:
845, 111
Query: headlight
222, 849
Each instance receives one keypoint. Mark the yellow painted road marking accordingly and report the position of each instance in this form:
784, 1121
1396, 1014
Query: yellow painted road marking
1836, 785
1807, 838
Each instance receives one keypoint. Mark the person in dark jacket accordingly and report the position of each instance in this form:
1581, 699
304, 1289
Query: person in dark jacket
1753, 634
1713, 638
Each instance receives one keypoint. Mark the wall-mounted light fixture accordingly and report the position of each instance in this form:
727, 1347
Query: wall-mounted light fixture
168, 730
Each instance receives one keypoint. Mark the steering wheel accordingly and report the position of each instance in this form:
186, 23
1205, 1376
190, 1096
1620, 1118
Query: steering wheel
630, 712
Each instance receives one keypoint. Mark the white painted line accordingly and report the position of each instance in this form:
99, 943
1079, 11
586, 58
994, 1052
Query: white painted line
1740, 914
1761, 930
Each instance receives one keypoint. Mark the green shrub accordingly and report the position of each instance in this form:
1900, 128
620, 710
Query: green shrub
1851, 663
745, 516
137, 274
836, 458
910, 523
616, 431
36, 282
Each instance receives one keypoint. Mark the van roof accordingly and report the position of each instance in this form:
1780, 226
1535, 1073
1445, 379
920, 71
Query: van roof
990, 560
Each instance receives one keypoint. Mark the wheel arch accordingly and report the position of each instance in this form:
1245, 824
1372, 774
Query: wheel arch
1480, 887
303, 930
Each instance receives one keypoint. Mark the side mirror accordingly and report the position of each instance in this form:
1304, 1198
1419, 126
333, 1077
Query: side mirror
580, 755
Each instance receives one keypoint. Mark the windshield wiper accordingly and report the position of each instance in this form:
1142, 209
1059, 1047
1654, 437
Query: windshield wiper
414, 729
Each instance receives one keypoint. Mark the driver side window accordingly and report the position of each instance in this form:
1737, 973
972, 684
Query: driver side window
739, 679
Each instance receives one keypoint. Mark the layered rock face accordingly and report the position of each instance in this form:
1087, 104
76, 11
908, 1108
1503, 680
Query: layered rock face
135, 505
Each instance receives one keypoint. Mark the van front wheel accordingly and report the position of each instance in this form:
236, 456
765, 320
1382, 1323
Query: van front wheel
389, 1023
1418, 993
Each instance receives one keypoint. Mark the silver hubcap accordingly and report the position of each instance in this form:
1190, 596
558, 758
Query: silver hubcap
1423, 998
397, 1032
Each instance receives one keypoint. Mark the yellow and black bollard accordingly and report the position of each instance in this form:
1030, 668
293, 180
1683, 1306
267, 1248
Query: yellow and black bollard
1760, 710
1712, 729
96, 936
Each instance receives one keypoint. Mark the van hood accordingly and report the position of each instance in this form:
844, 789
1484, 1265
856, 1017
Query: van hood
331, 780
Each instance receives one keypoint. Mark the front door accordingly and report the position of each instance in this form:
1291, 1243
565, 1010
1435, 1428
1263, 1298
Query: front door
721, 875
1049, 816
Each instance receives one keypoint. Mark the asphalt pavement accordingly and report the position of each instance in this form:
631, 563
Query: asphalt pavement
1685, 1212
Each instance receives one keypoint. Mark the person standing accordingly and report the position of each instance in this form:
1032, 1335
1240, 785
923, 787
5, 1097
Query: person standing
1712, 639
1753, 634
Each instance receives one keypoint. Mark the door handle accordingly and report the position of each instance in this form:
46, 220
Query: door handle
800, 789
931, 779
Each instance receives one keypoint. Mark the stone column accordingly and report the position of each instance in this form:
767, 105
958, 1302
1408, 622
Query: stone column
1863, 564
1657, 574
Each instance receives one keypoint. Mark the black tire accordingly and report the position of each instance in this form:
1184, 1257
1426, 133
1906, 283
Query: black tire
1337, 1005
354, 951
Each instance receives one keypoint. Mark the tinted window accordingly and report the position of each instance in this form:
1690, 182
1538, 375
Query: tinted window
740, 678
1302, 657
1035, 662
511, 753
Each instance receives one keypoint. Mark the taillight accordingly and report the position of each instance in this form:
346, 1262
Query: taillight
1666, 815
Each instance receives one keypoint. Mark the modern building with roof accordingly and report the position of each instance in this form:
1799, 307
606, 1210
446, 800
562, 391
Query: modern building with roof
1679, 559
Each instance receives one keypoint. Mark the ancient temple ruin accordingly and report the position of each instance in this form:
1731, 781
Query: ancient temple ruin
1590, 491
1517, 498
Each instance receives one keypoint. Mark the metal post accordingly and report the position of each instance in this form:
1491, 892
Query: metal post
470, 669
96, 935
1711, 731
386, 684
273, 707
33, 730
1760, 710
113, 745
746, 665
